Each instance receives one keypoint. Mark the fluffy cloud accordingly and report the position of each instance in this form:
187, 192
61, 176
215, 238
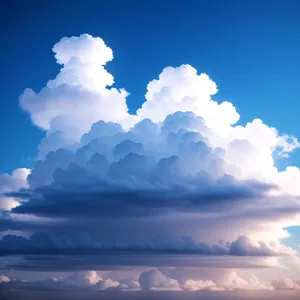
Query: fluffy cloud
155, 280
182, 89
234, 282
88, 280
85, 278
250, 148
4, 279
149, 280
285, 284
79, 95
175, 173
181, 166
199, 285
10, 183
245, 246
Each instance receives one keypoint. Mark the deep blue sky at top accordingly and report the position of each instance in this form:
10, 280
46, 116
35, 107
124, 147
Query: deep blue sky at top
249, 48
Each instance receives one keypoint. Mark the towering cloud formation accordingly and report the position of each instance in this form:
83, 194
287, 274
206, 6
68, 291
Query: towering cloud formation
79, 96
179, 176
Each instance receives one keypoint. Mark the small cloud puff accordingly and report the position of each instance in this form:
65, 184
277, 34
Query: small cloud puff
10, 183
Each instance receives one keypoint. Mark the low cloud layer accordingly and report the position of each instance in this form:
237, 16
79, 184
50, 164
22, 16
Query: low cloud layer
149, 280
53, 244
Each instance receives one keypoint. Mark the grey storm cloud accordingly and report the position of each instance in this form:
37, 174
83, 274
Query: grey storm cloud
92, 196
43, 243
148, 280
111, 175
114, 260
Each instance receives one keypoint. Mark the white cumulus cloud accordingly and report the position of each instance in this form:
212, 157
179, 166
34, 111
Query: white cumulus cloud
11, 183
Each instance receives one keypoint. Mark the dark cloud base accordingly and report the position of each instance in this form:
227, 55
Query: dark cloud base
154, 295
109, 262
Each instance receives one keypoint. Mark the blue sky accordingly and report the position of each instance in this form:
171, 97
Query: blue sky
249, 48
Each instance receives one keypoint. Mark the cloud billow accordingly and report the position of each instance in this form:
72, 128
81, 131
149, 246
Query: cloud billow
111, 177
181, 175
